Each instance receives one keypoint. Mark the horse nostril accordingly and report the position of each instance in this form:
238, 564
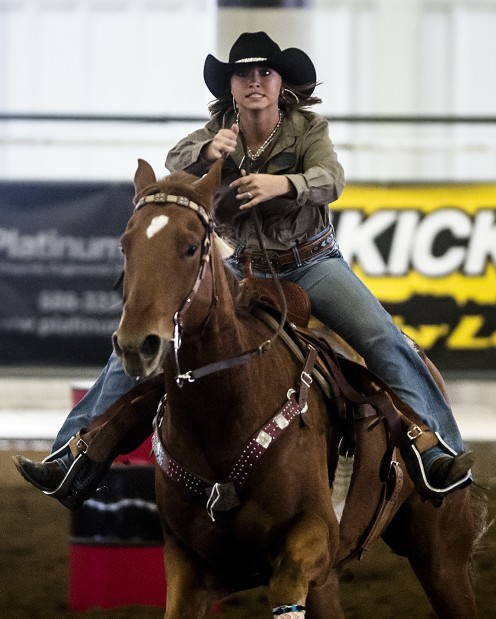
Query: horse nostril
150, 346
115, 343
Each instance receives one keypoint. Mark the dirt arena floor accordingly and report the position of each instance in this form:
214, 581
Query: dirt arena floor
35, 541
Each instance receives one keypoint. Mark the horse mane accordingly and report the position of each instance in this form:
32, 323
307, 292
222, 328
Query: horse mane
479, 505
245, 297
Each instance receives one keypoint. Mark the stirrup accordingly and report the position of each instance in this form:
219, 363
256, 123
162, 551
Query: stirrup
65, 493
61, 451
427, 490
63, 488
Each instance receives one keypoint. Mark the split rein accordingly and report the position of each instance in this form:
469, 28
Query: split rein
205, 258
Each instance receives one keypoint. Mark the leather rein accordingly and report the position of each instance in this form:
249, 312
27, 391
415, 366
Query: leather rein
205, 258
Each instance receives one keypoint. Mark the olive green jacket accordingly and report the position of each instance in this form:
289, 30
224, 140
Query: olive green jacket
302, 151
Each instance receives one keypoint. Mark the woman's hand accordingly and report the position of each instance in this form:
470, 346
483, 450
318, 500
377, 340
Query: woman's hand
257, 188
224, 143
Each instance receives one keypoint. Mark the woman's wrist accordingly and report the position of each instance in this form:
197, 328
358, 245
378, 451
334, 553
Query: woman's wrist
290, 189
206, 154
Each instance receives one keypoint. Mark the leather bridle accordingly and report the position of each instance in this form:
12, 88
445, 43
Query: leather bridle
209, 225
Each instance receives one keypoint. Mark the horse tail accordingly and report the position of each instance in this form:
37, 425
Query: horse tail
479, 505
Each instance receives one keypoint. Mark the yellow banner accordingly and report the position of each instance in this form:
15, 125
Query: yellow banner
426, 241
418, 217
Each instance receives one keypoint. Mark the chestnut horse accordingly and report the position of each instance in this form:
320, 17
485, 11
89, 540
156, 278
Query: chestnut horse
246, 445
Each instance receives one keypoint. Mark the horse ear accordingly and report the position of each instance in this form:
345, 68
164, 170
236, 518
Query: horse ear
209, 183
144, 177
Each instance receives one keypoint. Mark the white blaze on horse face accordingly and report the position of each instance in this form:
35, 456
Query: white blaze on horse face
157, 223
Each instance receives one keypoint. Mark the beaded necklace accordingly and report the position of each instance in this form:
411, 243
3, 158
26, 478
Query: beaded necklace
256, 155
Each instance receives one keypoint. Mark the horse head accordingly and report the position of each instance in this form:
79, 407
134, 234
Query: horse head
167, 245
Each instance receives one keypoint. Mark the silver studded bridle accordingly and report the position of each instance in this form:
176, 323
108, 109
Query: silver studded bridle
209, 225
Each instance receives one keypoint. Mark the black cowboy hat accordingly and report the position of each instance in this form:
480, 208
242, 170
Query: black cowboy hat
257, 48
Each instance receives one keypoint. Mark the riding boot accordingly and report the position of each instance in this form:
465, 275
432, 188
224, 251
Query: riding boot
73, 473
451, 470
433, 466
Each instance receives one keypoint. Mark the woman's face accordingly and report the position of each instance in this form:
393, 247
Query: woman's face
256, 88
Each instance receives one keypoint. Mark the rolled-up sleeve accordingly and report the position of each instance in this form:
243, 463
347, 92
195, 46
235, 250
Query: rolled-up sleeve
187, 155
322, 179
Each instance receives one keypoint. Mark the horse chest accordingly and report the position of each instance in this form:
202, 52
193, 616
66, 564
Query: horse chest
221, 475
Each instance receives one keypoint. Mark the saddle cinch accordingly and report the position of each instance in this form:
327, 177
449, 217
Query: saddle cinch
375, 421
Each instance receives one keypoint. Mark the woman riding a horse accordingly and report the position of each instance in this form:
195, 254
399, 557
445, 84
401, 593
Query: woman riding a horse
270, 172
279, 160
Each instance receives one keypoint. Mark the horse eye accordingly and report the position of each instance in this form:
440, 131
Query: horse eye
191, 251
118, 286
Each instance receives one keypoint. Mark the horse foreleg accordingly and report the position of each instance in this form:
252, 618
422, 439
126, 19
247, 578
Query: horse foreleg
324, 600
186, 593
305, 560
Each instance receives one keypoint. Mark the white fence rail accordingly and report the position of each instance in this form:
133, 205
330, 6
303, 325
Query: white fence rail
370, 149
144, 58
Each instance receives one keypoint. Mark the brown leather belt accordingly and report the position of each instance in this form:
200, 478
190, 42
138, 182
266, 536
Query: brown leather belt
291, 257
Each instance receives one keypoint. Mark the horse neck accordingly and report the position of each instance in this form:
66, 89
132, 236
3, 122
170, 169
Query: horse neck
212, 411
213, 329
212, 326
206, 420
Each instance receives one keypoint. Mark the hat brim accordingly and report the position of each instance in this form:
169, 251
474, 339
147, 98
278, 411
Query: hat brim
293, 65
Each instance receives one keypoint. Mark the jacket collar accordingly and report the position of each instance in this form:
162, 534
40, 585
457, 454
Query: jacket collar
285, 139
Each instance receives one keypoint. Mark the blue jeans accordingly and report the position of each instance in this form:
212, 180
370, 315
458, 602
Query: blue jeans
342, 302
110, 385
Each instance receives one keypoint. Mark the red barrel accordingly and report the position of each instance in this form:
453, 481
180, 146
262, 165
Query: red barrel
116, 550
